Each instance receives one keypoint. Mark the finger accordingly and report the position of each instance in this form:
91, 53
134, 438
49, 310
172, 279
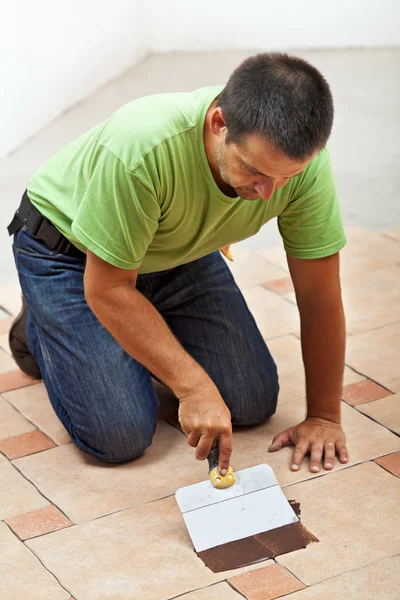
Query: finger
193, 438
316, 456
297, 457
204, 446
329, 455
342, 452
225, 452
280, 440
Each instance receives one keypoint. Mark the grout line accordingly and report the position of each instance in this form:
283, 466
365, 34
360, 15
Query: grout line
351, 335
372, 418
198, 589
29, 421
39, 559
235, 589
383, 467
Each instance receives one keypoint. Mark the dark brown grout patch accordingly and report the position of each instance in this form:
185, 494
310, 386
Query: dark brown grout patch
256, 548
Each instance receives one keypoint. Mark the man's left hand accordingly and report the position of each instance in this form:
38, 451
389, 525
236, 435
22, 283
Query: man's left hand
317, 437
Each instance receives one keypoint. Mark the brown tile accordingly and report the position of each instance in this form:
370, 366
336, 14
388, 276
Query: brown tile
25, 444
21, 573
385, 411
249, 269
375, 354
267, 583
149, 541
5, 325
279, 286
364, 391
7, 362
390, 462
354, 513
38, 522
33, 402
17, 494
11, 421
274, 316
13, 380
376, 581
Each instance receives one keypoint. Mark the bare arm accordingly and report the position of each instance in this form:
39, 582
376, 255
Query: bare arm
140, 329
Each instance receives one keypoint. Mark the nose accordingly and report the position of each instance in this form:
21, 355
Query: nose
265, 189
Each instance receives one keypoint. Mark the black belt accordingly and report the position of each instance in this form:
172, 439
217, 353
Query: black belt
41, 229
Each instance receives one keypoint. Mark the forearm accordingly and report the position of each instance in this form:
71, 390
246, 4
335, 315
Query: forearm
323, 347
140, 329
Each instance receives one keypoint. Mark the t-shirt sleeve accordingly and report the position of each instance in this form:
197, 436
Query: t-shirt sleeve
118, 213
311, 225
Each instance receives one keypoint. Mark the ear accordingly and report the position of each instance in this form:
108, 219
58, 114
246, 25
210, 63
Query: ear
217, 122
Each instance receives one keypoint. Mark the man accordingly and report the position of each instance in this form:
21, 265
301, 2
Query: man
116, 245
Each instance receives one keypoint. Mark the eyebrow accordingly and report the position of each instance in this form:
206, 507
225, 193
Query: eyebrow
258, 172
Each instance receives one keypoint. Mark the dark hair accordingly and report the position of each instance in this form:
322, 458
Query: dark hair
280, 97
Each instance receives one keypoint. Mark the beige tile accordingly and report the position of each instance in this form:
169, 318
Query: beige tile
249, 269
38, 522
13, 380
274, 316
276, 255
85, 488
266, 583
367, 251
354, 513
379, 581
375, 354
22, 575
4, 345
17, 494
5, 324
385, 411
279, 286
220, 591
371, 298
10, 298
286, 352
7, 363
11, 421
394, 234
390, 462
365, 440
25, 444
34, 403
141, 552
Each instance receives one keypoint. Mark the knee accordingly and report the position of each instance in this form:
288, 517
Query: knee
257, 400
117, 445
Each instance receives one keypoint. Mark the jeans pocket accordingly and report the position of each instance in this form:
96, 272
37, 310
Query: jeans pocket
25, 243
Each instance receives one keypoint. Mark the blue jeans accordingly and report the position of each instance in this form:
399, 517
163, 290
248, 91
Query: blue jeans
104, 397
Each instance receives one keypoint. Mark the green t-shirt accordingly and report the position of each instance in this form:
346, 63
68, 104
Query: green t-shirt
137, 191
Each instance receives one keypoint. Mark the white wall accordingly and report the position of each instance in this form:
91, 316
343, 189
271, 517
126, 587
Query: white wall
198, 25
53, 54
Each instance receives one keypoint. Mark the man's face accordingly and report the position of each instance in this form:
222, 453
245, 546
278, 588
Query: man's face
254, 168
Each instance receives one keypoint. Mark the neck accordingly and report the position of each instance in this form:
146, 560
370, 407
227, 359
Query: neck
209, 143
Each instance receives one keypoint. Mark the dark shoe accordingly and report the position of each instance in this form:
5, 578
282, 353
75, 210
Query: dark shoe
19, 345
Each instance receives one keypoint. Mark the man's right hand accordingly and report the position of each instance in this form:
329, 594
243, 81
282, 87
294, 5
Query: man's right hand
204, 417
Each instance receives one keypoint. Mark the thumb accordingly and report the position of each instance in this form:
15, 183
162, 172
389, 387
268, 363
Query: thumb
280, 440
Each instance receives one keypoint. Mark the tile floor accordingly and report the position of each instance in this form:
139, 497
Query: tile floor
71, 527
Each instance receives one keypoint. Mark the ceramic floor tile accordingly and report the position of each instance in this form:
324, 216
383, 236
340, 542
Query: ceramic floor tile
7, 363
286, 352
249, 269
274, 316
141, 552
11, 421
10, 298
364, 391
266, 583
371, 299
5, 324
365, 440
279, 286
22, 575
85, 488
17, 494
391, 463
276, 255
353, 513
380, 581
4, 345
25, 444
385, 411
220, 591
38, 522
375, 354
395, 234
14, 380
33, 402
